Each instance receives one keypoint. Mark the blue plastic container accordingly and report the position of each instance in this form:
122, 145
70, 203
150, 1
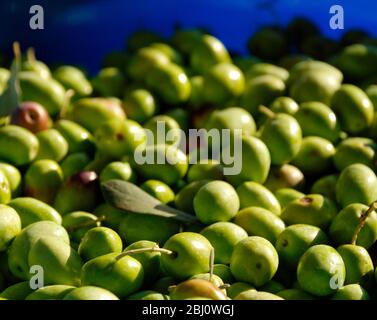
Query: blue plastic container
81, 32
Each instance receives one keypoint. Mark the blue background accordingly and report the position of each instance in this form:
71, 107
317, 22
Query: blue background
81, 32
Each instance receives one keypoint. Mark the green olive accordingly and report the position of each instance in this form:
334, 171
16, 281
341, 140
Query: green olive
159, 190
173, 166
170, 82
261, 90
260, 69
223, 82
268, 43
207, 52
353, 107
139, 105
144, 60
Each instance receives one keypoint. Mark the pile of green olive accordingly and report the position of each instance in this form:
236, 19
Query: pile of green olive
297, 222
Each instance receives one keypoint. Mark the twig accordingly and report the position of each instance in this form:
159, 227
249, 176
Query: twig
362, 221
266, 111
141, 250
16, 50
30, 53
67, 100
211, 263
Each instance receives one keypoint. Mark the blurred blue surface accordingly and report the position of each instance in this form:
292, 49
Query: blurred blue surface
82, 31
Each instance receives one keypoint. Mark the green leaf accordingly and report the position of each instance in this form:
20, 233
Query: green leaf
127, 196
10, 98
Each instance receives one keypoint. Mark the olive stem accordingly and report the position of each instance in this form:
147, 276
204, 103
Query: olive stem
86, 224
16, 50
171, 288
30, 53
211, 263
266, 111
362, 221
141, 250
343, 135
224, 286
67, 100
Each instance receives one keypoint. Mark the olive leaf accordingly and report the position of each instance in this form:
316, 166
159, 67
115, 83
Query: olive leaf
10, 98
128, 196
